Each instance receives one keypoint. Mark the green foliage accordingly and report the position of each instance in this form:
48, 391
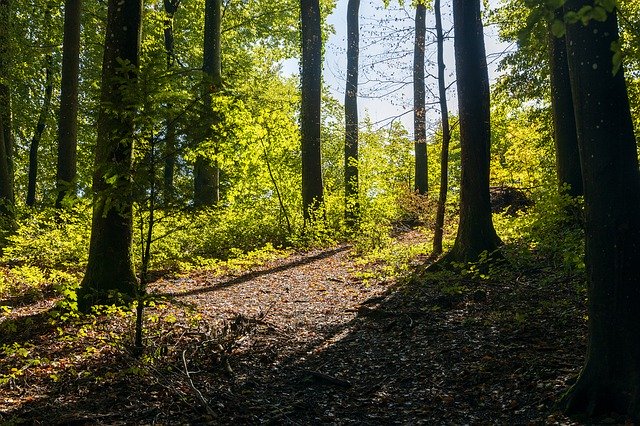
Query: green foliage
51, 239
551, 229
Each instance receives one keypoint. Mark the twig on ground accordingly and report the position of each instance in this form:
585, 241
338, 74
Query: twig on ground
199, 395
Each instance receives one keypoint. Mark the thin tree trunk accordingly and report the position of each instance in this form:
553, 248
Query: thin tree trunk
610, 379
6, 144
39, 130
6, 181
419, 108
312, 191
564, 124
67, 121
170, 8
476, 233
110, 268
351, 115
446, 134
207, 173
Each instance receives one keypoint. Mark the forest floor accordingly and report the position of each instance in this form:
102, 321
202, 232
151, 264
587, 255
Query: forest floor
310, 338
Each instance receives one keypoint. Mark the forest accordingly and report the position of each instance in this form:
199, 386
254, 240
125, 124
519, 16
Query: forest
198, 227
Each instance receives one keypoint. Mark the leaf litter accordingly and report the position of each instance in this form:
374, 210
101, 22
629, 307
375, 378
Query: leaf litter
305, 340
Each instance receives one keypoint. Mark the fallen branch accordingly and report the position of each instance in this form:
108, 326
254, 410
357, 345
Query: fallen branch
199, 395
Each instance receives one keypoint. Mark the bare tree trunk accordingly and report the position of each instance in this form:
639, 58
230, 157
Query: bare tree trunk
67, 121
207, 173
6, 142
351, 115
564, 124
419, 108
312, 191
170, 8
610, 379
476, 233
37, 134
446, 134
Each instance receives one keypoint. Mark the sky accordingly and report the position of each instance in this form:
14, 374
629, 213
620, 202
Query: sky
386, 59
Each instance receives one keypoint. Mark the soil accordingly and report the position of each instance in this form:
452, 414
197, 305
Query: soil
305, 339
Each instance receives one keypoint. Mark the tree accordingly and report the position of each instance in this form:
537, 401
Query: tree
170, 142
312, 193
610, 380
566, 140
6, 139
476, 233
446, 133
110, 269
39, 130
351, 114
419, 108
207, 175
68, 116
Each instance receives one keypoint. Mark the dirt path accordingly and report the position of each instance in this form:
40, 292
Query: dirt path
302, 340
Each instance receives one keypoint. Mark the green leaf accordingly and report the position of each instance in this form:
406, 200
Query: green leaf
599, 14
558, 28
617, 56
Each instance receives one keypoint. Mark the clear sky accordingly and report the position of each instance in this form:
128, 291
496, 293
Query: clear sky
386, 60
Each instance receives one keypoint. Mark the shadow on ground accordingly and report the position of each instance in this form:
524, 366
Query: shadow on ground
438, 351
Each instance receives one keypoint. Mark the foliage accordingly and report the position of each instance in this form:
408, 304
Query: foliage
551, 229
51, 239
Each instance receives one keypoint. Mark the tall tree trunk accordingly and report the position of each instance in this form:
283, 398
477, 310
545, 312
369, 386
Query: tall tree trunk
207, 173
564, 124
312, 195
6, 142
170, 8
610, 379
67, 121
419, 109
446, 134
476, 233
110, 268
39, 130
351, 115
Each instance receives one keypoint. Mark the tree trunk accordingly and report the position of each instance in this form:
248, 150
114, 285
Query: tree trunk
351, 115
6, 142
170, 8
564, 124
110, 268
207, 173
419, 109
312, 195
446, 134
67, 121
610, 379
475, 230
6, 175
37, 135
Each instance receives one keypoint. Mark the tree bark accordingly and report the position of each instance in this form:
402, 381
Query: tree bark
207, 173
564, 124
476, 233
351, 115
312, 191
170, 143
39, 130
446, 134
6, 142
110, 269
67, 120
610, 379
419, 108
